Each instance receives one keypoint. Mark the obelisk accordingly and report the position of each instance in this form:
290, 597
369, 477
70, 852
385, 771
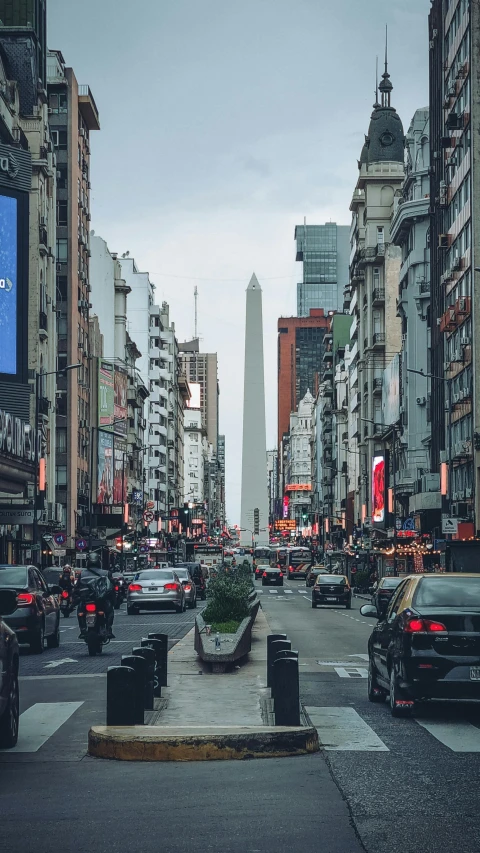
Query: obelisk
254, 508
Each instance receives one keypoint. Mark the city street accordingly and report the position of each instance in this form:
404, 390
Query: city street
368, 782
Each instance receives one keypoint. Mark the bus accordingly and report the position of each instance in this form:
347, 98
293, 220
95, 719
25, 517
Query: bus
299, 562
282, 558
263, 557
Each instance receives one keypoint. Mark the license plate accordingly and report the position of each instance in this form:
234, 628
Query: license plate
91, 620
475, 673
329, 598
153, 589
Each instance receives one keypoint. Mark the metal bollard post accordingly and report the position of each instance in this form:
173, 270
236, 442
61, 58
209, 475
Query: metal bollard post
275, 646
270, 640
157, 647
121, 693
287, 696
281, 653
149, 656
139, 665
162, 661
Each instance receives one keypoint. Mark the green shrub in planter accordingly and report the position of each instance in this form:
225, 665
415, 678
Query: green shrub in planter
227, 596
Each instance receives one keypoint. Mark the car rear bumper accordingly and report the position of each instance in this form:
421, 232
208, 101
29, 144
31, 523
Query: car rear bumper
153, 601
272, 581
331, 599
24, 624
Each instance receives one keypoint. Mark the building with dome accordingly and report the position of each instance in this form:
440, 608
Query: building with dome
375, 333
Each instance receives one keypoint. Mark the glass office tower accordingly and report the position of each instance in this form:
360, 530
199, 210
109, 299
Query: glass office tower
324, 250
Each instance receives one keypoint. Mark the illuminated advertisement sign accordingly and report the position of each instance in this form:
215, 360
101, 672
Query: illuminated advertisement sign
105, 468
106, 394
119, 472
120, 406
8, 285
286, 502
378, 490
298, 487
286, 524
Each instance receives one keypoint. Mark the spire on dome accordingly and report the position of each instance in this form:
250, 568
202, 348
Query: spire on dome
386, 84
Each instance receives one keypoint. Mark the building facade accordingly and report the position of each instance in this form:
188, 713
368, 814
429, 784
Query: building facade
324, 251
201, 368
298, 476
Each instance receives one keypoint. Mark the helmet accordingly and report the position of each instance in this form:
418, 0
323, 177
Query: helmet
94, 561
67, 568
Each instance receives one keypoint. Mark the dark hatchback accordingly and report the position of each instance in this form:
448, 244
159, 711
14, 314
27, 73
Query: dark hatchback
427, 646
332, 589
271, 576
8, 673
383, 593
195, 570
37, 616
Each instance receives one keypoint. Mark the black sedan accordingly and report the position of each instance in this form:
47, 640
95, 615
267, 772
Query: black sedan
383, 593
427, 646
272, 576
8, 673
313, 574
332, 589
37, 615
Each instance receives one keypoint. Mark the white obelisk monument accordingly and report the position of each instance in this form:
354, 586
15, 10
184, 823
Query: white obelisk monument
254, 509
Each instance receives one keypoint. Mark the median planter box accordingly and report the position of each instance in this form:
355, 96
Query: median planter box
233, 647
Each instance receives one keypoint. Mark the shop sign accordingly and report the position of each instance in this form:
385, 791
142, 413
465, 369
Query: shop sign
16, 437
16, 515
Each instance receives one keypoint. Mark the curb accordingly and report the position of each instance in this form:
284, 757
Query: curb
200, 743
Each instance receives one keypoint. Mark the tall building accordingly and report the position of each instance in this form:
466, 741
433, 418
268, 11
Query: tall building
298, 476
324, 251
300, 354
73, 117
375, 332
220, 512
201, 368
272, 475
455, 254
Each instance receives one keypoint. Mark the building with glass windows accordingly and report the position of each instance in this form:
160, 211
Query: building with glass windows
324, 251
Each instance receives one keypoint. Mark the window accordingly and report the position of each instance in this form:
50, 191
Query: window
380, 235
62, 177
62, 251
62, 213
60, 139
61, 475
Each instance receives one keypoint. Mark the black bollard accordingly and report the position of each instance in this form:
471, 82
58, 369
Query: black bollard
275, 646
157, 647
121, 696
149, 655
139, 665
162, 661
281, 653
286, 688
270, 640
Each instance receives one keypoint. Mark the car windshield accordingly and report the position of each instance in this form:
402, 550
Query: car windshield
390, 583
13, 576
154, 574
456, 591
333, 579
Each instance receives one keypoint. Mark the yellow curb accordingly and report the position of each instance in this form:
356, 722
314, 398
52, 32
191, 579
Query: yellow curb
200, 743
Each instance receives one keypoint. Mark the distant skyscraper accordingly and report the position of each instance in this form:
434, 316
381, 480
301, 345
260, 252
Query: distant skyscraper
324, 250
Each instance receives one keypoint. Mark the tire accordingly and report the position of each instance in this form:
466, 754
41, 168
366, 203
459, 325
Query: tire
396, 696
94, 646
9, 718
65, 614
116, 606
38, 642
132, 611
375, 692
53, 642
178, 608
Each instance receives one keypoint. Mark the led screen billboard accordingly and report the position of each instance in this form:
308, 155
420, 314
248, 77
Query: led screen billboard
105, 468
105, 394
8, 285
378, 490
120, 407
120, 472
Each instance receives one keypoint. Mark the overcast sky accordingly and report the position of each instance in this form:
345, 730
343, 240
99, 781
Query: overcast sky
224, 123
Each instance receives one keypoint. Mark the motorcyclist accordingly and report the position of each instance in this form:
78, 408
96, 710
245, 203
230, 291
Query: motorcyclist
65, 580
90, 579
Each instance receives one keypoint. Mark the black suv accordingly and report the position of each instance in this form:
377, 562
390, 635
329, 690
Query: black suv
8, 673
37, 615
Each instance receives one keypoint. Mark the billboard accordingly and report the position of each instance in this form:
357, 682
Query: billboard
391, 392
105, 468
106, 394
194, 402
120, 493
378, 490
120, 407
8, 285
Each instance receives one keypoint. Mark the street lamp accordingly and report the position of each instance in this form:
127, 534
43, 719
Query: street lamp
39, 378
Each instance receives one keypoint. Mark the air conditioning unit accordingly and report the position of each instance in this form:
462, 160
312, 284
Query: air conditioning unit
59, 267
468, 493
43, 517
421, 401
51, 511
456, 262
59, 513
462, 305
443, 241
466, 341
82, 276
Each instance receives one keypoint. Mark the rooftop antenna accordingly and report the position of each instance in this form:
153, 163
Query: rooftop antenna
386, 48
195, 296
376, 104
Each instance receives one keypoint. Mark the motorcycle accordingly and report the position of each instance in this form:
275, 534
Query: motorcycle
96, 629
66, 603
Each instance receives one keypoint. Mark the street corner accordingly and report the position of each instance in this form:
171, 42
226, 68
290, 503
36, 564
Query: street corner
200, 743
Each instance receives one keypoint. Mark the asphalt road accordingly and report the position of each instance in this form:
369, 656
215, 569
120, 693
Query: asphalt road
379, 785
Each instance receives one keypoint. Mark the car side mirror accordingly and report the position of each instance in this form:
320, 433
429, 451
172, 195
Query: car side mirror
8, 602
369, 611
54, 589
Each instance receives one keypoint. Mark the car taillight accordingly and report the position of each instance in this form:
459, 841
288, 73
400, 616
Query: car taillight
187, 587
90, 608
264, 575
281, 574
171, 586
117, 588
64, 594
25, 598
424, 626
135, 587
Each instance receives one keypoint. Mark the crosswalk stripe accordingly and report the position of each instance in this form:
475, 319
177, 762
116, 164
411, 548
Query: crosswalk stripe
351, 671
39, 722
342, 729
273, 591
288, 591
303, 591
457, 736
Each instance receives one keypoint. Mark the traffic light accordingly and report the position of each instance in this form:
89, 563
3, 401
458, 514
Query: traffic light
305, 516
256, 521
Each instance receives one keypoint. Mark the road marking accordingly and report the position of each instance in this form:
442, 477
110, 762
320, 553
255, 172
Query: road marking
363, 657
273, 591
342, 729
457, 736
288, 591
50, 677
39, 722
303, 591
54, 663
336, 663
351, 671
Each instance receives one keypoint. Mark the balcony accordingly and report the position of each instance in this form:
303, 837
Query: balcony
379, 296
355, 402
328, 355
424, 290
43, 240
448, 321
43, 325
43, 405
379, 340
354, 329
377, 385
88, 108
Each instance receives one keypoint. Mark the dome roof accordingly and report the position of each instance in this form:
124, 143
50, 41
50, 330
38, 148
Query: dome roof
386, 139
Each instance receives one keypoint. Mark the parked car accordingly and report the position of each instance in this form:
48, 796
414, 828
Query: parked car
188, 584
272, 576
332, 589
37, 615
8, 672
383, 593
196, 572
313, 574
155, 589
427, 645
